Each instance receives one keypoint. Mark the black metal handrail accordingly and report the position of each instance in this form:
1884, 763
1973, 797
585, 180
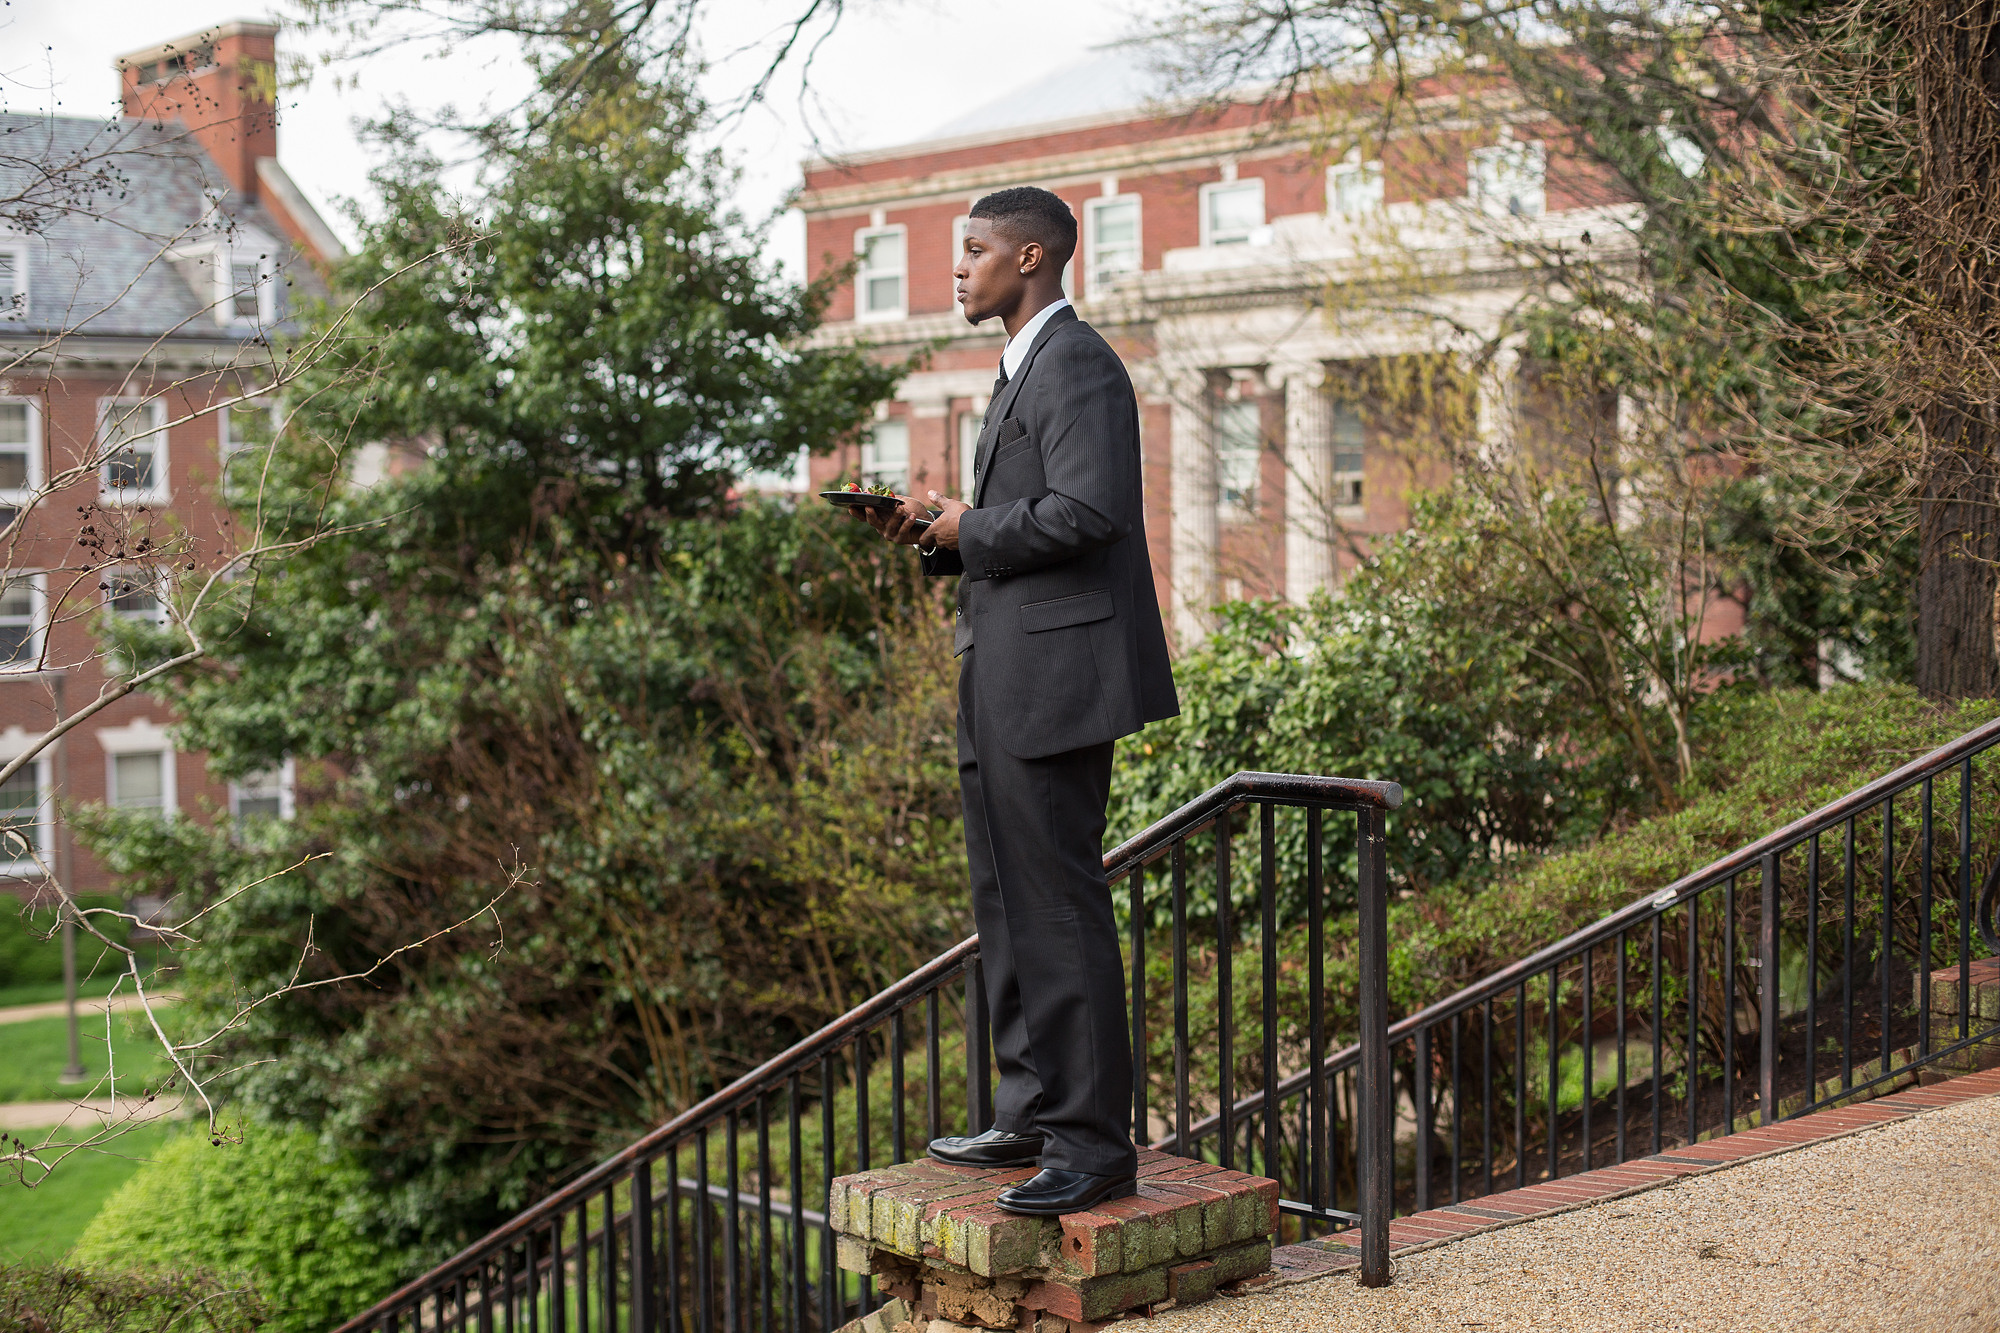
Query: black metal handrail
1659, 901
664, 1267
1761, 961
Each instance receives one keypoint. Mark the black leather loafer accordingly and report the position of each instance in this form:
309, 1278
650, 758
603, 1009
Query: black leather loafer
996, 1147
1053, 1193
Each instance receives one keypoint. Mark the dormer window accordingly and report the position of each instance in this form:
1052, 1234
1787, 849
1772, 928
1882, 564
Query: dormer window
13, 280
235, 278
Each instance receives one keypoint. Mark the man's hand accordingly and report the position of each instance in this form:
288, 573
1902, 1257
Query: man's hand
900, 524
943, 530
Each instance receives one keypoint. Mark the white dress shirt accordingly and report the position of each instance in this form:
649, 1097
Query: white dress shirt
1017, 346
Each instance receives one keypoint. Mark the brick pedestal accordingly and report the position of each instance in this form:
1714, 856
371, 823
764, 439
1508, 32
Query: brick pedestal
1985, 1011
951, 1259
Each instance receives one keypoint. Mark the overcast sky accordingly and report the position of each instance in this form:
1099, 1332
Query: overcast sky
891, 71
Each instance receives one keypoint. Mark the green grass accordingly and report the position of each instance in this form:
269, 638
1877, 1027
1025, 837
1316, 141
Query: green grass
45, 992
45, 1221
32, 1056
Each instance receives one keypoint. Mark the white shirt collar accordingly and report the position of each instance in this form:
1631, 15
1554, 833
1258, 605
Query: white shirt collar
1018, 345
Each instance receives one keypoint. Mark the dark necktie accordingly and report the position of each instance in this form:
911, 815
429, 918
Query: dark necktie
998, 384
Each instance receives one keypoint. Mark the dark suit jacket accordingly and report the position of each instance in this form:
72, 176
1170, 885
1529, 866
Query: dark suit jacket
1057, 588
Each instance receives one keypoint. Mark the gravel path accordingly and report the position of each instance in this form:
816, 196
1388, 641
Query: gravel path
1896, 1228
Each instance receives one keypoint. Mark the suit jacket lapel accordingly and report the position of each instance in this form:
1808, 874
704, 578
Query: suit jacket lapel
997, 413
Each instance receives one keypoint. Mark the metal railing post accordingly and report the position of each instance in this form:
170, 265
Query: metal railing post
1767, 990
1375, 1148
978, 1052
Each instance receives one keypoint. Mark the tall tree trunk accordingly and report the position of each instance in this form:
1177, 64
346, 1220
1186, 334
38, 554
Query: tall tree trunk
1960, 534
1954, 48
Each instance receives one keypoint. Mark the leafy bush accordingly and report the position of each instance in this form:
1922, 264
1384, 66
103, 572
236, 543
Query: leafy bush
63, 1298
269, 1212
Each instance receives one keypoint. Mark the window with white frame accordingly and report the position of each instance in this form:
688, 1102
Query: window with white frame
134, 450
139, 767
1232, 212
1353, 187
20, 450
885, 456
136, 592
23, 620
139, 781
13, 281
267, 793
26, 812
1507, 179
1239, 456
881, 281
959, 225
968, 452
246, 287
1350, 456
1111, 240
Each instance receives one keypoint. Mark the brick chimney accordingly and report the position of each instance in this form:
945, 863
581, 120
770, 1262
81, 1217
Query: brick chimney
222, 83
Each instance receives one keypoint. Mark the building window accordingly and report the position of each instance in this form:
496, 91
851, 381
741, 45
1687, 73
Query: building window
885, 456
23, 621
13, 282
1232, 213
248, 289
24, 818
968, 453
1111, 240
134, 451
1506, 179
264, 794
20, 450
135, 592
1350, 456
139, 781
1239, 456
880, 281
139, 767
1354, 188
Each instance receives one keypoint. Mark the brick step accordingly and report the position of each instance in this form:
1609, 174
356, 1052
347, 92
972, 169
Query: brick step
949, 1258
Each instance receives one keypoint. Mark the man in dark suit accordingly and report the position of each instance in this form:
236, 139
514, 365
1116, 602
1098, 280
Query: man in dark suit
1061, 652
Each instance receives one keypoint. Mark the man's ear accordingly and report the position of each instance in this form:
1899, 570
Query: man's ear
1031, 257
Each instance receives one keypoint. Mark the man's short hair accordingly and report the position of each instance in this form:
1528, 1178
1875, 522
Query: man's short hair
1029, 213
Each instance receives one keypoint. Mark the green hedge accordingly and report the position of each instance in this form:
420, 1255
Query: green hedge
275, 1211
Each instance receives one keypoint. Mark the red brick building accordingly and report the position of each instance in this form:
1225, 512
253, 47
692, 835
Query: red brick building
1219, 253
145, 262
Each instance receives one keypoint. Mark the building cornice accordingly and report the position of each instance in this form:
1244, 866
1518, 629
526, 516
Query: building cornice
194, 42
77, 353
1190, 152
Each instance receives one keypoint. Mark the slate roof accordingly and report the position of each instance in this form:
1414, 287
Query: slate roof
103, 201
1116, 78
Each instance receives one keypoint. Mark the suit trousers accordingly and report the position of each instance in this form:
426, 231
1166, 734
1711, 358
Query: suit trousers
1055, 982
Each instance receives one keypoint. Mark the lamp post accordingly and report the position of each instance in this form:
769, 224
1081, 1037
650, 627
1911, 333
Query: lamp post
73, 1072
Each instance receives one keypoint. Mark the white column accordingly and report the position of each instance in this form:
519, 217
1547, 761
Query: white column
1310, 562
1194, 532
1499, 406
